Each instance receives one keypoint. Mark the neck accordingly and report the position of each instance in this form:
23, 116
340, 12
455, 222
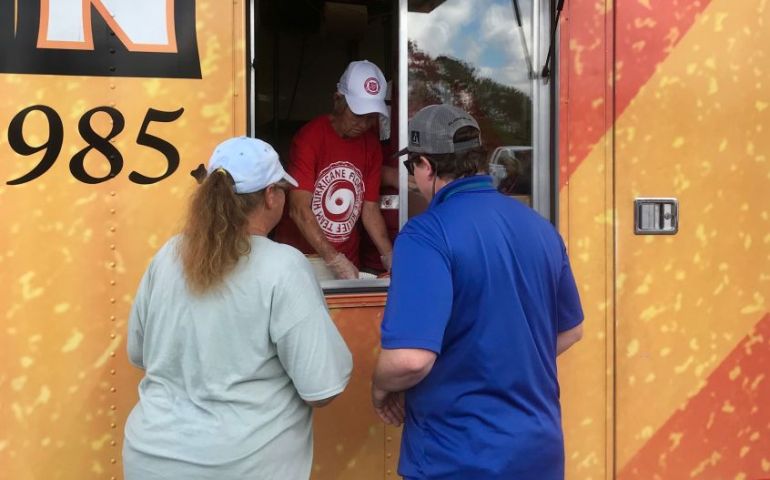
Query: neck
258, 225
335, 121
441, 183
438, 184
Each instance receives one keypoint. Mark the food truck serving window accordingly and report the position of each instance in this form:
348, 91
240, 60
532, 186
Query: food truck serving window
475, 54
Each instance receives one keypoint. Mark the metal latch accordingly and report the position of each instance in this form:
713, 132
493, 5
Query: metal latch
388, 202
656, 216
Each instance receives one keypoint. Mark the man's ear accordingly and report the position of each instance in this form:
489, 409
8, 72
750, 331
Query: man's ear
426, 163
338, 103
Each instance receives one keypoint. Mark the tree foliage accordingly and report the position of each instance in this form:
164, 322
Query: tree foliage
503, 112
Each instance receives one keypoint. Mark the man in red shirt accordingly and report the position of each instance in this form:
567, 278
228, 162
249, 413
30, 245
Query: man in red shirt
336, 160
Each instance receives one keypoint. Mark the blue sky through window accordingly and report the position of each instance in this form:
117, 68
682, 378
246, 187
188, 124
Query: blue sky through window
482, 33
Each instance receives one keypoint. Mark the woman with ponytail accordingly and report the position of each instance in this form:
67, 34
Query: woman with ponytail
232, 332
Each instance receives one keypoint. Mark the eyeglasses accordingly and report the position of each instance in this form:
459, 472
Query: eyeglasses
410, 162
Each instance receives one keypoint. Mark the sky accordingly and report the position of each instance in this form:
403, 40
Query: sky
483, 33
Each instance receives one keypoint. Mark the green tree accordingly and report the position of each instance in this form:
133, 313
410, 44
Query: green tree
503, 112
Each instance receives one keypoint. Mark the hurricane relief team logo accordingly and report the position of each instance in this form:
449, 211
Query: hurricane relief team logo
337, 200
372, 86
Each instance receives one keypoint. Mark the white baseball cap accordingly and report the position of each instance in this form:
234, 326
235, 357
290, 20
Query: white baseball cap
364, 88
252, 163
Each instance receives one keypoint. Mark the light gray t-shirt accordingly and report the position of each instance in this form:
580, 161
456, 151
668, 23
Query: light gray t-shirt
226, 373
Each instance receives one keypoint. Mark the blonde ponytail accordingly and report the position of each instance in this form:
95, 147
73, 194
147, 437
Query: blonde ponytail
215, 235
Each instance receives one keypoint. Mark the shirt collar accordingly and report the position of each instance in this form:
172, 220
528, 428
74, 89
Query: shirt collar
476, 183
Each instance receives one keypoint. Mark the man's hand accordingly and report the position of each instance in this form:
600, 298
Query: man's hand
303, 216
388, 405
387, 261
342, 267
374, 224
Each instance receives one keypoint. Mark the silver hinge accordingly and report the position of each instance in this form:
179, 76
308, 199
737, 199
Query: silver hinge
656, 216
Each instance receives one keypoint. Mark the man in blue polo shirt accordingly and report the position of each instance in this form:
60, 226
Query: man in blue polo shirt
482, 300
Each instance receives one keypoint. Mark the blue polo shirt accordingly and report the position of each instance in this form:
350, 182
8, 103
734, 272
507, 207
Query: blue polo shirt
485, 283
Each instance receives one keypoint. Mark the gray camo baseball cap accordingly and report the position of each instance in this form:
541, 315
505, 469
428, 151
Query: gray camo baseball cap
432, 129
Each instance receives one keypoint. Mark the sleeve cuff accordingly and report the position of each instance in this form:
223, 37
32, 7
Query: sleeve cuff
570, 324
324, 394
418, 343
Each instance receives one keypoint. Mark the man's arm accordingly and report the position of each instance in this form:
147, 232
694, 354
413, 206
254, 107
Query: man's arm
402, 368
302, 215
371, 216
567, 338
397, 370
389, 176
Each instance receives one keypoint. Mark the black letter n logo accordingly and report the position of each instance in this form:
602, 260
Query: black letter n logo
125, 38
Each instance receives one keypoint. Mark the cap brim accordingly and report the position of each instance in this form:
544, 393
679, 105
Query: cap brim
401, 153
290, 179
362, 106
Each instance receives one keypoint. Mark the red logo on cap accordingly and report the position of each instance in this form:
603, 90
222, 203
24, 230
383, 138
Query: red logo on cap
372, 86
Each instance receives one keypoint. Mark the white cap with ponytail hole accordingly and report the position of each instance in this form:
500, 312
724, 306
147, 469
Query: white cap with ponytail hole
252, 163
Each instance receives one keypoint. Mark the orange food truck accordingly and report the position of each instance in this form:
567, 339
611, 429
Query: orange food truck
636, 126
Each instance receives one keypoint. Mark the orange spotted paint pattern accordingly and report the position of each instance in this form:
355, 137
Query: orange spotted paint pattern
722, 432
72, 254
679, 94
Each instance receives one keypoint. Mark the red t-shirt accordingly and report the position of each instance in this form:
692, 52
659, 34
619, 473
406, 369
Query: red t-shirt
341, 173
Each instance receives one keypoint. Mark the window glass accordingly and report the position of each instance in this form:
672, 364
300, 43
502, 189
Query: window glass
473, 54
